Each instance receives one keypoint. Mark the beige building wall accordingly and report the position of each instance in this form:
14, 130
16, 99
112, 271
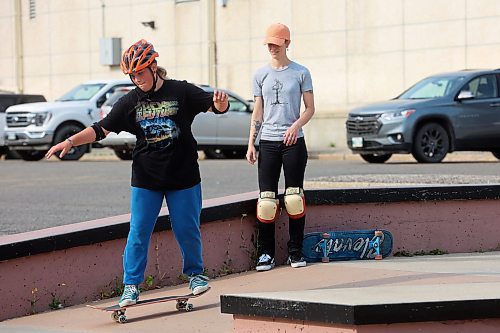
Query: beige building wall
7, 56
358, 51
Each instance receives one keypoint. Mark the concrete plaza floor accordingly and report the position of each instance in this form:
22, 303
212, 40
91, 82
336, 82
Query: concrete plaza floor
453, 270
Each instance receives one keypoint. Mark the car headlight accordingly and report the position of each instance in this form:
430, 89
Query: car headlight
38, 119
397, 115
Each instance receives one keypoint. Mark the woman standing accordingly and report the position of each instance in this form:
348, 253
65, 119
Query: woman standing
278, 89
159, 111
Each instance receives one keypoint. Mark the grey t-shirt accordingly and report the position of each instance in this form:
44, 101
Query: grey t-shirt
281, 91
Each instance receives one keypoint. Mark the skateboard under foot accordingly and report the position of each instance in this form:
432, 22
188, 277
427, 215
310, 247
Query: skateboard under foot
118, 312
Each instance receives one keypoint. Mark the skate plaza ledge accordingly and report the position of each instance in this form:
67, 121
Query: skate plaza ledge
82, 262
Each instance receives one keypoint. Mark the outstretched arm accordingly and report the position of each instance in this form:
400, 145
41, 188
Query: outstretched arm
85, 136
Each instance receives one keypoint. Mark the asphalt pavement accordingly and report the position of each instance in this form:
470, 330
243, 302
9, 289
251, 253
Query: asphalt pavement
37, 195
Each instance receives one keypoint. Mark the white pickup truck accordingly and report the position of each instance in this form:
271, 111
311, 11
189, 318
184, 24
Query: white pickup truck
32, 128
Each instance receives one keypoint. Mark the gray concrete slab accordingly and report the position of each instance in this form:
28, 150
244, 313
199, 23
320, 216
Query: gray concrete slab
462, 263
386, 294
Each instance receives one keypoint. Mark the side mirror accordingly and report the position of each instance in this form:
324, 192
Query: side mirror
465, 94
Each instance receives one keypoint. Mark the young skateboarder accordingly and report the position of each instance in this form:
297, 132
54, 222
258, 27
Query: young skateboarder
159, 111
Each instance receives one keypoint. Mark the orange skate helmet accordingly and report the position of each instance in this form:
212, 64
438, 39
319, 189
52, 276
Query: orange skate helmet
137, 57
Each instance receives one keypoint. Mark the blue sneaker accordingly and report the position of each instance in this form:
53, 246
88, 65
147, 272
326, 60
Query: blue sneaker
130, 295
198, 284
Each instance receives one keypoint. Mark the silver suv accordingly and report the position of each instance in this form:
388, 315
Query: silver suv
221, 136
438, 115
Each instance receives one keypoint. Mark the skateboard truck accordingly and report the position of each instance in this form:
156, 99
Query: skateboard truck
326, 237
375, 244
182, 305
119, 316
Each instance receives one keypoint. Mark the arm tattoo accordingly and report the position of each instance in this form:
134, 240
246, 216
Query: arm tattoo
257, 124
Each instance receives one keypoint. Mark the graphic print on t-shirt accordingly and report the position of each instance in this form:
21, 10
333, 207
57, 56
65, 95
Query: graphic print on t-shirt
277, 88
154, 118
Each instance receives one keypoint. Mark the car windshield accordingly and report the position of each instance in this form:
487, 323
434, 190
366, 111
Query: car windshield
432, 87
83, 92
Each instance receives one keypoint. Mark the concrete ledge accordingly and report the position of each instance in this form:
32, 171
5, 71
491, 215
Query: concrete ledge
82, 262
113, 228
371, 305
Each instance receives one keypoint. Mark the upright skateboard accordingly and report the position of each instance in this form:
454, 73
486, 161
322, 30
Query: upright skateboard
118, 313
347, 245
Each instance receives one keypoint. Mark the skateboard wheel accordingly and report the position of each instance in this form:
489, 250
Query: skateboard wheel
181, 305
188, 307
122, 319
325, 259
115, 316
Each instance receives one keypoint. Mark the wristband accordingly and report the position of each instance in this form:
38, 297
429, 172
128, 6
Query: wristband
70, 142
99, 133
216, 111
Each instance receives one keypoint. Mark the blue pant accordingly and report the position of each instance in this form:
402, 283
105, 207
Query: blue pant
184, 207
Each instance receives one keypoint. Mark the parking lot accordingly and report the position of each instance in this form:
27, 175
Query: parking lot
37, 195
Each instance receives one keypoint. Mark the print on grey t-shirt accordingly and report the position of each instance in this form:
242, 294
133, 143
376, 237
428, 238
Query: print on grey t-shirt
277, 88
281, 91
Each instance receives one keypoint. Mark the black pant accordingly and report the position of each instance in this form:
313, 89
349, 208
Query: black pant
273, 155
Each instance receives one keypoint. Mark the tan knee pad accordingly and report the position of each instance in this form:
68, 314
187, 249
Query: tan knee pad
295, 202
267, 207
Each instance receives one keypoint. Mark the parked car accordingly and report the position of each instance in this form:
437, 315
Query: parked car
220, 136
457, 111
33, 128
7, 100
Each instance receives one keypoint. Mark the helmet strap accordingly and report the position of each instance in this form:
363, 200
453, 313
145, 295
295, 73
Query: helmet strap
155, 79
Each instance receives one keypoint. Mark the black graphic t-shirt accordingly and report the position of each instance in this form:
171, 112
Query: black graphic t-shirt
165, 156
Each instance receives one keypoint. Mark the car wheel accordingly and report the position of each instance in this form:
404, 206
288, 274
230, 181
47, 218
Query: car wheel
431, 144
123, 154
9, 154
32, 155
376, 158
214, 153
75, 153
12, 155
